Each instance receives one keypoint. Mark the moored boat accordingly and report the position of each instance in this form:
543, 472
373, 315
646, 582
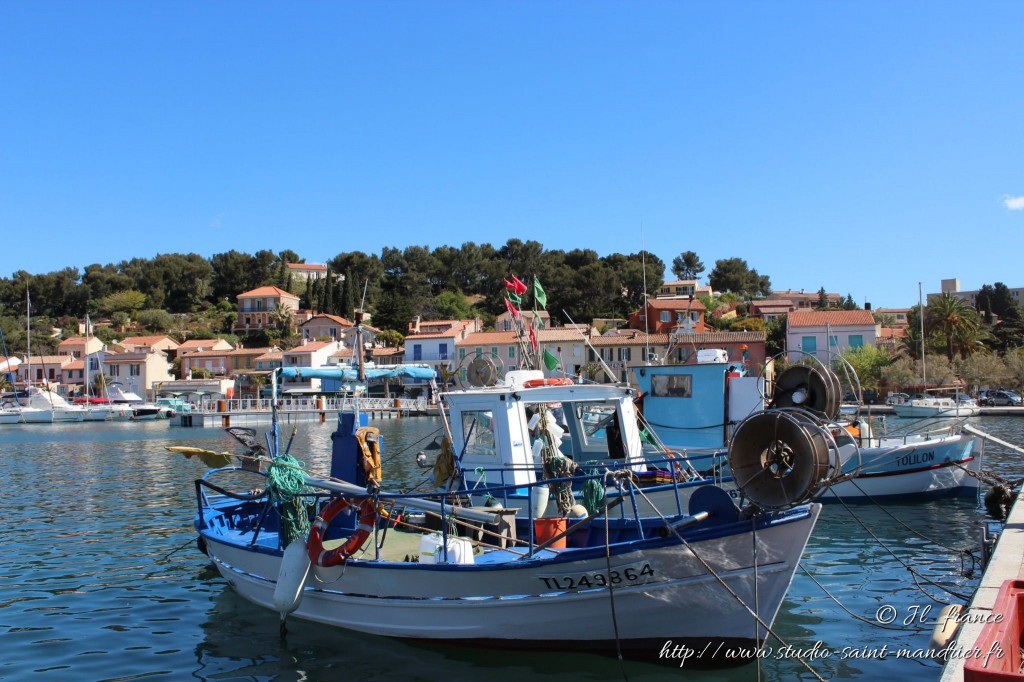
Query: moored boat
721, 398
617, 575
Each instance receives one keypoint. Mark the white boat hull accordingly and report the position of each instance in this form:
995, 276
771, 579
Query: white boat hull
10, 417
32, 415
921, 411
530, 601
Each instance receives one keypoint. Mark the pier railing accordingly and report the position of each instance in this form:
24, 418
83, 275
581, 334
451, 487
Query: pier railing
312, 404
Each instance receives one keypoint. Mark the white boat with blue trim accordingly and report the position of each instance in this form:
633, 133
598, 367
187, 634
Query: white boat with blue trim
627, 575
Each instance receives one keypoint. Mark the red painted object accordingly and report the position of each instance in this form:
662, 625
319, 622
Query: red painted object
996, 656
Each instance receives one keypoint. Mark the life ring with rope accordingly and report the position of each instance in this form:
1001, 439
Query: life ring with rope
534, 383
338, 556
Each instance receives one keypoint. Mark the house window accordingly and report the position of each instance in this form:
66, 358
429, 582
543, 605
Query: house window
511, 352
833, 340
259, 304
133, 370
462, 354
417, 352
494, 351
666, 316
94, 364
442, 351
115, 370
809, 344
856, 340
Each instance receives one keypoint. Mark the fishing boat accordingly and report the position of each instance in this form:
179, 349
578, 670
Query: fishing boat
619, 576
52, 404
722, 401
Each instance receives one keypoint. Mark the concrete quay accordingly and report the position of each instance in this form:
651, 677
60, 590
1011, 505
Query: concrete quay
1006, 563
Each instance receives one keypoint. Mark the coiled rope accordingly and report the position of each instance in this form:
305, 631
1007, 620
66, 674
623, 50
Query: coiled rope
286, 484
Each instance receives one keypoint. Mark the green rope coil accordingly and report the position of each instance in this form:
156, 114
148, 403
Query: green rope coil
287, 483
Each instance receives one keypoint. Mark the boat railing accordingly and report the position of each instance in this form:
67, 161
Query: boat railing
445, 505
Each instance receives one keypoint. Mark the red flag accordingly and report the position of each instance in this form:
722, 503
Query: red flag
512, 309
533, 339
520, 288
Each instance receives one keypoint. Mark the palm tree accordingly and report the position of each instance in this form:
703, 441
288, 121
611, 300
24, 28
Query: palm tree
949, 316
281, 316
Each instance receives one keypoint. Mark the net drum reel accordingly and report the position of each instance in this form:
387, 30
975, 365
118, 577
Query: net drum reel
780, 458
815, 388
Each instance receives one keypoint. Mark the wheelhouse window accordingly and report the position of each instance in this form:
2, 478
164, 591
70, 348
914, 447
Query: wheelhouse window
672, 385
478, 432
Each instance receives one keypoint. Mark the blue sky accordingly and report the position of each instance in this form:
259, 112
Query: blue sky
859, 146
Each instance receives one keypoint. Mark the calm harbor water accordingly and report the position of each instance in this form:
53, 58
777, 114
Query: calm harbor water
100, 578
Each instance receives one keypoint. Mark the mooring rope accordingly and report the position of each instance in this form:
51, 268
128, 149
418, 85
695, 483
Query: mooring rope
728, 589
900, 561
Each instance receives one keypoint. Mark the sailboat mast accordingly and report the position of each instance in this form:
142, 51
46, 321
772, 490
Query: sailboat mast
920, 305
28, 340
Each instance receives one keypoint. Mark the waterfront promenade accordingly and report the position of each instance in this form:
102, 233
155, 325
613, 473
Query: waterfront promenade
253, 412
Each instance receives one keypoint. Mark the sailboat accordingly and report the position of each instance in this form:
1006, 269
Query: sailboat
100, 408
931, 403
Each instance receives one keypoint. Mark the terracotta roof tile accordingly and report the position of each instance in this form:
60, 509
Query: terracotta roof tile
820, 318
268, 291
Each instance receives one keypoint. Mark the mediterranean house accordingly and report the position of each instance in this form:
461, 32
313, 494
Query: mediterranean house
505, 322
325, 327
193, 345
770, 310
897, 317
309, 354
42, 369
140, 371
799, 300
79, 346
256, 308
684, 288
665, 315
825, 334
307, 271
505, 349
434, 342
619, 352
147, 343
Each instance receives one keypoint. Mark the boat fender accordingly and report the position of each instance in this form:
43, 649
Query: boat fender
291, 577
336, 557
534, 383
946, 627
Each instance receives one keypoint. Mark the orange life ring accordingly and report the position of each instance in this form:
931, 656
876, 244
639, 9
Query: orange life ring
534, 383
335, 557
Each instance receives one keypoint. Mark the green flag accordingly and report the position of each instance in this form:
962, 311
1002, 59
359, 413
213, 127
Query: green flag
550, 361
539, 295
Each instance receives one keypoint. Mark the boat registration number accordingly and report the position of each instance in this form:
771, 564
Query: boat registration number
629, 574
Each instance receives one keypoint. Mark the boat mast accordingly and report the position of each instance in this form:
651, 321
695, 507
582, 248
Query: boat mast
920, 305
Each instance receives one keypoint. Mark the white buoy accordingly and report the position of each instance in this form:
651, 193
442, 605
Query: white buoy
291, 578
540, 501
946, 627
